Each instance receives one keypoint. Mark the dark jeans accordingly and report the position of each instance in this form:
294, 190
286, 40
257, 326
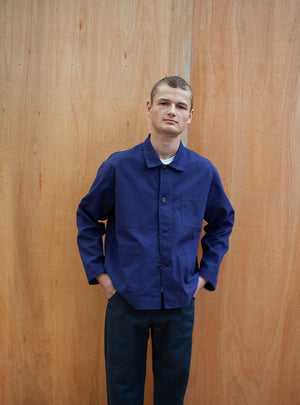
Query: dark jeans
126, 338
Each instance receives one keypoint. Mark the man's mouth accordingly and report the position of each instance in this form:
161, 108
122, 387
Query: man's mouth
169, 121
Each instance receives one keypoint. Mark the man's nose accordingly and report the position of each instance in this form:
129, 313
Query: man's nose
172, 110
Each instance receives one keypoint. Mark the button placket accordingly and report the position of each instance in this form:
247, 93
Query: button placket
165, 220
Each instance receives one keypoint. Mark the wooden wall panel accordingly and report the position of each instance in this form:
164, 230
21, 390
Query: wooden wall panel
74, 79
245, 73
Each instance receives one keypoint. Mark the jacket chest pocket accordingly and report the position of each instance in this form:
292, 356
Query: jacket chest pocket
192, 210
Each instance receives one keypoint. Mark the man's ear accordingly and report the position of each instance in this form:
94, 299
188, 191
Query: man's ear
148, 109
190, 116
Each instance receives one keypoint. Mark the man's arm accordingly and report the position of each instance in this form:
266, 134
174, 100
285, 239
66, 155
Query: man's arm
93, 209
219, 216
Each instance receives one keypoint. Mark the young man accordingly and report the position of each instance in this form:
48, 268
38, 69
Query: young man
154, 198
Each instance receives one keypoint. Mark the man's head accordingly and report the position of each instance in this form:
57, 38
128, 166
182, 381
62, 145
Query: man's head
175, 82
170, 108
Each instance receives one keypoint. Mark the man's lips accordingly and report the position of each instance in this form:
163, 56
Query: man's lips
169, 121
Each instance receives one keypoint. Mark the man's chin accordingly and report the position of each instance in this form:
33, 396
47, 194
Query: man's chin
172, 131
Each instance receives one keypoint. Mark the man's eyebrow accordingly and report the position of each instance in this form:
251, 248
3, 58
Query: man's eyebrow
183, 103
178, 102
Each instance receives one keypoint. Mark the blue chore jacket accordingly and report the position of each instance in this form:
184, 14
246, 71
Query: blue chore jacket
152, 215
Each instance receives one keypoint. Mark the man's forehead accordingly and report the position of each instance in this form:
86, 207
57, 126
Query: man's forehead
175, 94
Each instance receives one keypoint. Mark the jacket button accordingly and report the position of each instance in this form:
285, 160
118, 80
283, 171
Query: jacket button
163, 199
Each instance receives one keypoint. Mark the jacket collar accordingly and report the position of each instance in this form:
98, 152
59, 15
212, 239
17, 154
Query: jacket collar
152, 159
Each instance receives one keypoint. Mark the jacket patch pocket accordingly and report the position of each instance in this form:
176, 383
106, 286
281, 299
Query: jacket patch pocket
131, 261
193, 207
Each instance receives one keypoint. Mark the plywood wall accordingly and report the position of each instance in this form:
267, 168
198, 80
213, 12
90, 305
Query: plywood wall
74, 79
245, 74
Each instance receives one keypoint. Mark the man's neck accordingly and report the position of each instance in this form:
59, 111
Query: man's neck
165, 146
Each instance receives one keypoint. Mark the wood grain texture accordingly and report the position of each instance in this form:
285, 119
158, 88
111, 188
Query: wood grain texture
245, 73
74, 80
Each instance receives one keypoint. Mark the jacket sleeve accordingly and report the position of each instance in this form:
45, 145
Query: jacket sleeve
93, 209
219, 216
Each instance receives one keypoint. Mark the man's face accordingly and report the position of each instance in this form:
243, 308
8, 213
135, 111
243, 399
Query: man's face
170, 111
